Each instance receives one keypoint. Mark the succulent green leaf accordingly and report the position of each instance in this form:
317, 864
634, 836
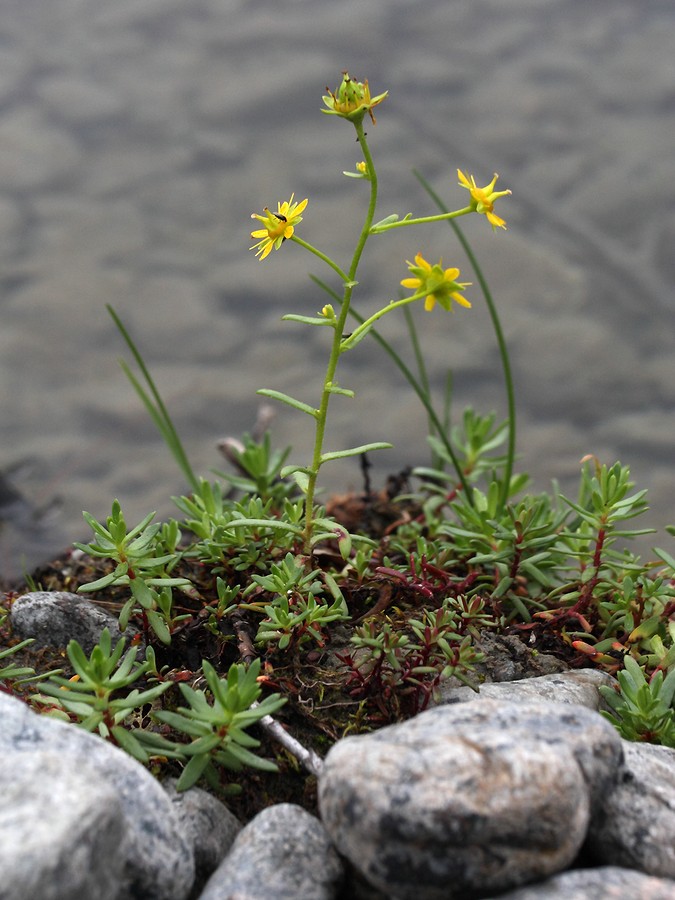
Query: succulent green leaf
192, 772
306, 320
289, 401
356, 451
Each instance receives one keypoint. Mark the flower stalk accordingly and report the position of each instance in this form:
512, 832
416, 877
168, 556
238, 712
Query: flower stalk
390, 222
337, 344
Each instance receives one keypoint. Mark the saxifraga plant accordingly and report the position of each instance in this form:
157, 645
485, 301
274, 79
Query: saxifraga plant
472, 555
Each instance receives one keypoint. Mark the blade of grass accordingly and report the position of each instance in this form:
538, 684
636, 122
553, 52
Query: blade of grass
154, 404
422, 370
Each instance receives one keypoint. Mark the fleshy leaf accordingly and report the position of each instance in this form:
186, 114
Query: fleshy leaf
289, 401
306, 320
355, 451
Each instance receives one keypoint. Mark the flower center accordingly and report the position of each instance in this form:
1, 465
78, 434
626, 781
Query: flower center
276, 229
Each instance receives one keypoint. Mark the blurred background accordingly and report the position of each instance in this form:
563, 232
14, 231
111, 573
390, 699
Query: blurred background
137, 137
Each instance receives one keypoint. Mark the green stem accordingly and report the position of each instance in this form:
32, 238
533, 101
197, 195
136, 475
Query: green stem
499, 334
421, 369
329, 262
365, 326
401, 223
417, 350
336, 348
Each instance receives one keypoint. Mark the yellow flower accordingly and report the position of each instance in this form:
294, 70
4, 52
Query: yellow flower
277, 226
439, 284
482, 199
352, 100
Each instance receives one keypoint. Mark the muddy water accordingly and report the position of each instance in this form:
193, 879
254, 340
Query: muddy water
137, 136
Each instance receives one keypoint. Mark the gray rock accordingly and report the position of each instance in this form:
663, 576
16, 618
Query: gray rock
54, 618
578, 687
507, 658
209, 825
635, 822
61, 830
480, 796
284, 853
159, 863
609, 882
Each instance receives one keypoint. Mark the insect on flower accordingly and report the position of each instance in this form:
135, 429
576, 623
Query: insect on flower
277, 226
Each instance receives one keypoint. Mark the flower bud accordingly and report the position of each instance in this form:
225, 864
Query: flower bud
351, 100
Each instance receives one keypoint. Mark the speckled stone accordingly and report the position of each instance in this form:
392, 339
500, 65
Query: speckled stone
55, 618
477, 796
284, 853
158, 858
635, 823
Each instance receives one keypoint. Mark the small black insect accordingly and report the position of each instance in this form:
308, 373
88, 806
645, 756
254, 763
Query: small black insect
280, 217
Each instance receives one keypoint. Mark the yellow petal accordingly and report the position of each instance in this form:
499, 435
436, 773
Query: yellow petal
412, 283
495, 221
458, 298
429, 302
463, 180
489, 188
